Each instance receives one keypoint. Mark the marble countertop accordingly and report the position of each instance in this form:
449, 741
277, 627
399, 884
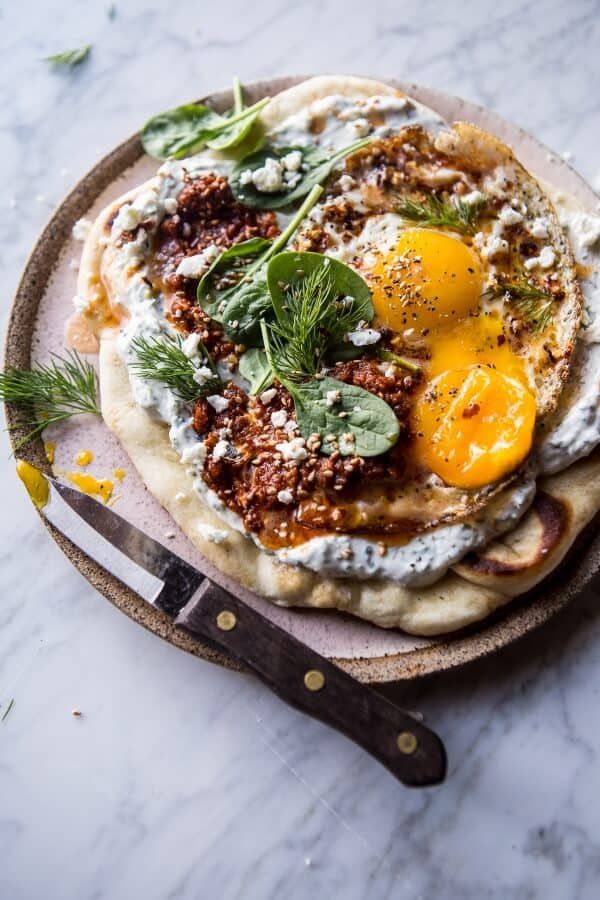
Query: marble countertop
183, 780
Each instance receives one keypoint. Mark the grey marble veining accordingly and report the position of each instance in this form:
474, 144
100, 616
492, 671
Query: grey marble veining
185, 781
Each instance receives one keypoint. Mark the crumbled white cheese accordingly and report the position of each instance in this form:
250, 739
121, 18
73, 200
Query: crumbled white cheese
202, 374
246, 177
546, 257
544, 260
279, 418
170, 205
292, 160
285, 497
218, 403
360, 127
346, 444
127, 219
509, 216
190, 345
332, 397
290, 425
196, 453
390, 372
268, 178
267, 396
539, 227
364, 337
491, 247
195, 266
80, 303
81, 229
293, 450
472, 198
215, 535
346, 182
221, 449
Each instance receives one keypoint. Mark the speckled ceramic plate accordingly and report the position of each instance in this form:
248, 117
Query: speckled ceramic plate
41, 305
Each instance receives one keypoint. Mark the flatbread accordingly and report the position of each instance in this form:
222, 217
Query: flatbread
476, 587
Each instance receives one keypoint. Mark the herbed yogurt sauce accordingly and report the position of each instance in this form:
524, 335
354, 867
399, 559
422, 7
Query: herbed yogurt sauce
574, 431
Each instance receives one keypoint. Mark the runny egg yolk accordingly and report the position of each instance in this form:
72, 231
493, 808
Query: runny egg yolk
431, 280
474, 425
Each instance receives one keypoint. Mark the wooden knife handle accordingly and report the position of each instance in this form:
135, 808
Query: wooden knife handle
308, 681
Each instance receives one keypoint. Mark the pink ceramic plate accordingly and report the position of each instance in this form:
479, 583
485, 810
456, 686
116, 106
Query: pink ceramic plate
43, 302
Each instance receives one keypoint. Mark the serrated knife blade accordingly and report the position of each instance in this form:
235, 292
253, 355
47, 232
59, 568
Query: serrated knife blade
306, 680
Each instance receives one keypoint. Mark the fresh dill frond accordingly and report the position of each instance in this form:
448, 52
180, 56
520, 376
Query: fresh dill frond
434, 212
532, 304
70, 58
314, 320
162, 359
54, 392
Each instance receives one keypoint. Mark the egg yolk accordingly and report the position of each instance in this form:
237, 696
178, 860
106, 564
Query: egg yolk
474, 425
430, 280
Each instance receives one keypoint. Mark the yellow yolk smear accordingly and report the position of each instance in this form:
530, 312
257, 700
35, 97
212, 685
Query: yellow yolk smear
50, 451
35, 482
89, 485
119, 474
431, 280
474, 425
84, 458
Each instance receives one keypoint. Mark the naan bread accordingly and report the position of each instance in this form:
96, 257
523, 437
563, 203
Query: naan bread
479, 585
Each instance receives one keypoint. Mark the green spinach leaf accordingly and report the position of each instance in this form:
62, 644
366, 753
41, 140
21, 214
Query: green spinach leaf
254, 367
186, 129
348, 295
315, 167
369, 419
222, 280
234, 134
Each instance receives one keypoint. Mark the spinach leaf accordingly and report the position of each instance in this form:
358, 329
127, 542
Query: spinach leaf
182, 131
248, 305
254, 367
222, 280
70, 58
240, 294
234, 134
315, 167
348, 295
370, 420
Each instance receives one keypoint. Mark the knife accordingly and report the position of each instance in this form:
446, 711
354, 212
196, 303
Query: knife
299, 675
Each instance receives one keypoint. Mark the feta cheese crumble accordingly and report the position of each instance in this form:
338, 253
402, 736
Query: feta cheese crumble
195, 266
268, 178
215, 535
285, 496
364, 337
293, 450
218, 403
267, 396
279, 418
81, 228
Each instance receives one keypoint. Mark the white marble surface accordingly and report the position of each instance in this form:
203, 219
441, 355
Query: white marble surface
185, 781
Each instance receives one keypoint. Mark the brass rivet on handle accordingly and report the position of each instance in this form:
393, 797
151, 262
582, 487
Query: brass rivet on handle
314, 680
407, 742
226, 620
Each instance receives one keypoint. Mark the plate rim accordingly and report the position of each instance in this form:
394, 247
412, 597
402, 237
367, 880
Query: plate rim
513, 621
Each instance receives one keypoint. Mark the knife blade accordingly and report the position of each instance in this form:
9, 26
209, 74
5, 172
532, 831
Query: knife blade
299, 675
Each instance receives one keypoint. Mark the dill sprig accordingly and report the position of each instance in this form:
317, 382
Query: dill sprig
390, 356
434, 212
62, 388
162, 359
532, 304
314, 320
70, 58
